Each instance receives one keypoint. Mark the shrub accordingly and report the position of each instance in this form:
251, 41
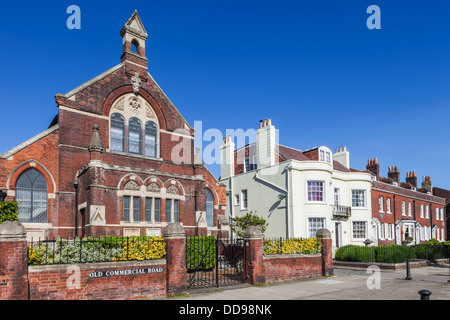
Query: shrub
391, 253
9, 211
200, 253
96, 250
240, 224
292, 246
141, 248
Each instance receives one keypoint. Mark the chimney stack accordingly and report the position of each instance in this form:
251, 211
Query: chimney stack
342, 156
227, 158
394, 174
426, 183
373, 166
411, 178
266, 144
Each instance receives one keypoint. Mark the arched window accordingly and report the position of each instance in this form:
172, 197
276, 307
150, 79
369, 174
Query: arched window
134, 46
134, 127
117, 132
150, 139
209, 208
134, 136
31, 194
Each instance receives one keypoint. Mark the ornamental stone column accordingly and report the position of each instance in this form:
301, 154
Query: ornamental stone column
13, 261
175, 238
324, 235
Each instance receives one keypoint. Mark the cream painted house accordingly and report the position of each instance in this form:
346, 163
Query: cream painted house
297, 192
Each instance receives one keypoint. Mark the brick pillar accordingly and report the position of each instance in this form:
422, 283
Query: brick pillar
13, 261
175, 239
324, 235
254, 264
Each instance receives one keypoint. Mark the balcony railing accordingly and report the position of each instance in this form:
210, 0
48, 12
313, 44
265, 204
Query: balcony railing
342, 211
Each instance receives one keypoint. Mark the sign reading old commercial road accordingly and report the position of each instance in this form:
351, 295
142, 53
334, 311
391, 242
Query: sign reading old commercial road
124, 272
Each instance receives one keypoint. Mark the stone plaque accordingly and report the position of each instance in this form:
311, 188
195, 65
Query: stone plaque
97, 215
128, 232
153, 232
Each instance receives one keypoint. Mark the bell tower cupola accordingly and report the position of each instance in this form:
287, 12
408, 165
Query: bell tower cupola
133, 41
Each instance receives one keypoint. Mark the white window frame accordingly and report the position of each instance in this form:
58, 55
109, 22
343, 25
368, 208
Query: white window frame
421, 210
403, 208
324, 192
325, 155
309, 235
366, 224
388, 205
237, 200
388, 231
365, 199
409, 209
427, 212
244, 200
380, 203
337, 197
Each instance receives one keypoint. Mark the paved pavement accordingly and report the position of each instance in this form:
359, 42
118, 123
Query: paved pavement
346, 284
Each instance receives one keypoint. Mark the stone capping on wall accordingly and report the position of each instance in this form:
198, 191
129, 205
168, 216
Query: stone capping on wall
12, 230
97, 265
253, 233
174, 231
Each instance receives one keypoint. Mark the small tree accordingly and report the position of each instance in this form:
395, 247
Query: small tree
240, 224
9, 211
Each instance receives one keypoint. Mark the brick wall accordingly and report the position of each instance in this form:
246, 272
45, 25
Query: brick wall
82, 281
273, 268
292, 267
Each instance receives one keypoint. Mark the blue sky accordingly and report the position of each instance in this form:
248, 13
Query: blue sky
313, 67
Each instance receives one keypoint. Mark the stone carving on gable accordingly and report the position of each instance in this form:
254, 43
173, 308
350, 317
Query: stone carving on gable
134, 103
120, 104
136, 81
149, 113
173, 190
153, 187
131, 185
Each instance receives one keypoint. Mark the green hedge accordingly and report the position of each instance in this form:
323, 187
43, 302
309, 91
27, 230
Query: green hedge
200, 253
392, 253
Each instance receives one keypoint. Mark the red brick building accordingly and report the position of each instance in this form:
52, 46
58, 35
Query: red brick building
403, 212
443, 193
117, 159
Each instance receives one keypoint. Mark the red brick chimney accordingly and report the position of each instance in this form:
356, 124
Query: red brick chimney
373, 166
394, 174
411, 178
426, 183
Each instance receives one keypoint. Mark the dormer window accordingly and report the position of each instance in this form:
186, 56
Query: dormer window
325, 154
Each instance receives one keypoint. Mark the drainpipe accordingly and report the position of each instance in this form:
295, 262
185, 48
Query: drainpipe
231, 207
395, 228
75, 185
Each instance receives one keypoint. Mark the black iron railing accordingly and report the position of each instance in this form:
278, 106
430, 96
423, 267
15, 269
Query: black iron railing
214, 262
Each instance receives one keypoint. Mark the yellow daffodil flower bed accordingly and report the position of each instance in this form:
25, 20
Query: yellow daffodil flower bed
292, 246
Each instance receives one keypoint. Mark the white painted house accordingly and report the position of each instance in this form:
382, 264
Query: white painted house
297, 192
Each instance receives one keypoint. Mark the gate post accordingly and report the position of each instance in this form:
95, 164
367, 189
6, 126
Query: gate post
324, 235
13, 261
175, 238
254, 264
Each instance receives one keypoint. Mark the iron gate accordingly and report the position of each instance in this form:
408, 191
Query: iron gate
214, 262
